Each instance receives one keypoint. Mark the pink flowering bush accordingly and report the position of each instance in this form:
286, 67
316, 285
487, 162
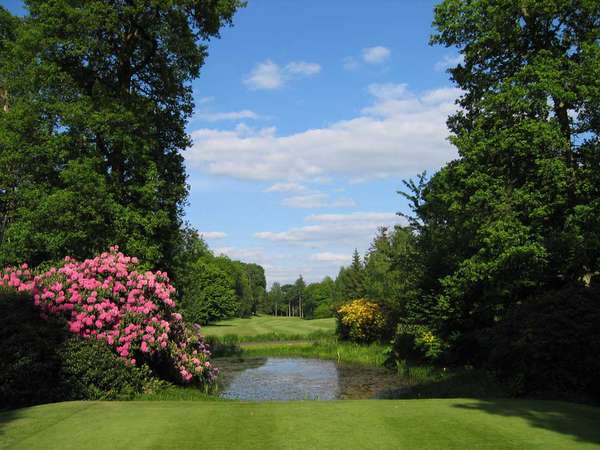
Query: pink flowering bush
105, 298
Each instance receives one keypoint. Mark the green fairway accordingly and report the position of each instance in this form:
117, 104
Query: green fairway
269, 325
441, 424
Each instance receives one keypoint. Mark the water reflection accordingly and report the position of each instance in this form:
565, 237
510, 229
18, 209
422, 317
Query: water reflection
300, 379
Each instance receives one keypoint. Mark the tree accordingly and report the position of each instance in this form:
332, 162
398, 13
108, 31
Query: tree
391, 271
353, 283
319, 299
98, 96
210, 296
299, 294
275, 299
518, 213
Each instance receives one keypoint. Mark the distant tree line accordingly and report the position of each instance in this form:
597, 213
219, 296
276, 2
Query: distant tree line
381, 275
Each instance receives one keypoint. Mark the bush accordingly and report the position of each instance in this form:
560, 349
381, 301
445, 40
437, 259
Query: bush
323, 311
550, 344
93, 372
108, 298
360, 321
30, 359
417, 344
41, 362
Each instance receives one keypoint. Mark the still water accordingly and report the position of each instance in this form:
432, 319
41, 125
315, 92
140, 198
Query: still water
300, 379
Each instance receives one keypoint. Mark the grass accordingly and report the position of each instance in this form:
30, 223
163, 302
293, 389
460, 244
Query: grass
323, 348
398, 424
270, 328
178, 393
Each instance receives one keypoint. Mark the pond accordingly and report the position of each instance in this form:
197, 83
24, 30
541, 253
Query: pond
301, 379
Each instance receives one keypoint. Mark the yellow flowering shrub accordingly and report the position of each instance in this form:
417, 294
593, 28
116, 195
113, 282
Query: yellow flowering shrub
360, 321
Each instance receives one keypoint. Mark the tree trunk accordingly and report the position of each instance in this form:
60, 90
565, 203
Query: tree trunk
4, 99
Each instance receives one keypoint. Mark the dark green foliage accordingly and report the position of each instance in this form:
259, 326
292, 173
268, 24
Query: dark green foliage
549, 344
41, 362
91, 371
322, 311
350, 282
30, 359
95, 96
390, 273
319, 299
209, 296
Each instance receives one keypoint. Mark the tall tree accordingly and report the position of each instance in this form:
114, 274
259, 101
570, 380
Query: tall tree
355, 286
99, 92
299, 296
390, 272
519, 211
276, 299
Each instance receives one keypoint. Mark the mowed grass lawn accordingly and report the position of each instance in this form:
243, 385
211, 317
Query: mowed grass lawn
368, 424
269, 325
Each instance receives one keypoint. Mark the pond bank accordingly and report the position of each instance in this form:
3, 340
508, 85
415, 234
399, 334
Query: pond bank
404, 382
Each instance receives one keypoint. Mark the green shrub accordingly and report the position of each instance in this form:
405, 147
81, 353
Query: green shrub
41, 362
417, 343
323, 311
30, 358
550, 344
92, 371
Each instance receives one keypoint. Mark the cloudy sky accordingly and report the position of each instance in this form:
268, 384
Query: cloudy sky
308, 116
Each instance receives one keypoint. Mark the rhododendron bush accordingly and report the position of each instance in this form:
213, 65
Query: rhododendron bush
105, 298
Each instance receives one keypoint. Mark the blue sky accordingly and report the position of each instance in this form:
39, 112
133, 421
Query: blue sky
308, 116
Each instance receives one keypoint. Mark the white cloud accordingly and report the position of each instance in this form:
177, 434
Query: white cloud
213, 234
334, 229
376, 55
400, 133
253, 255
286, 187
317, 200
331, 257
356, 217
268, 75
303, 68
449, 61
209, 116
388, 91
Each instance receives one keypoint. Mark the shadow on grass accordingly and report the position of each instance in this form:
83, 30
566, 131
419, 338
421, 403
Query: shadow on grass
579, 421
6, 416
430, 382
